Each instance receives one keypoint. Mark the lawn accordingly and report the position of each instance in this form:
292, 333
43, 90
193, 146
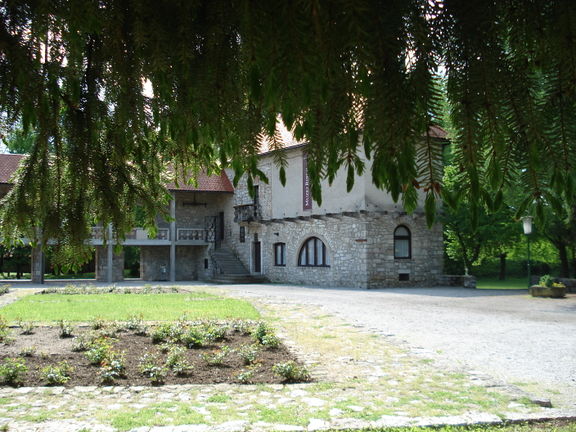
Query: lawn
494, 283
153, 307
549, 426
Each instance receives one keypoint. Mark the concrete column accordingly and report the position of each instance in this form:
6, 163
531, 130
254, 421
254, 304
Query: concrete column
37, 267
173, 239
110, 257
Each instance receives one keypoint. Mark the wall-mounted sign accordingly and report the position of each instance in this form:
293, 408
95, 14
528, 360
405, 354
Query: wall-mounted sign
306, 197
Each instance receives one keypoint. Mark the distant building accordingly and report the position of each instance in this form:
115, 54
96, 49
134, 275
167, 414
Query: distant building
356, 239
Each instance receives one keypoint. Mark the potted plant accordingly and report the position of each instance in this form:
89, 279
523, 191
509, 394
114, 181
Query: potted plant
547, 287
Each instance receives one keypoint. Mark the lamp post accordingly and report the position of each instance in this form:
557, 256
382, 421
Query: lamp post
527, 225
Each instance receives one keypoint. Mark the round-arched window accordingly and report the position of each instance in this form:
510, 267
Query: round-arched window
402, 243
313, 253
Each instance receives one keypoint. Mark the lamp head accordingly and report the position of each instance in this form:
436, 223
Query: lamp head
527, 224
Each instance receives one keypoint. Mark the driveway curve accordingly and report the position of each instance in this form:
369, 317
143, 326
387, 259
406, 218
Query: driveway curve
530, 342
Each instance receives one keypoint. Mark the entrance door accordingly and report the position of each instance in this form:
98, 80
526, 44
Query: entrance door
257, 258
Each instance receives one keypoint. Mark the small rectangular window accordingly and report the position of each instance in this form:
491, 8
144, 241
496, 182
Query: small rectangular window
279, 254
403, 276
242, 234
205, 263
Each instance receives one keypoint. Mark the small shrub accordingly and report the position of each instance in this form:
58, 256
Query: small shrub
136, 324
248, 353
59, 374
291, 371
245, 376
5, 332
28, 351
214, 332
243, 327
81, 343
176, 361
66, 329
216, 358
12, 371
26, 327
98, 323
99, 351
150, 367
4, 289
265, 335
112, 368
167, 333
165, 347
193, 337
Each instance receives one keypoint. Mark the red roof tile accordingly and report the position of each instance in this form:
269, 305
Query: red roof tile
205, 183
8, 166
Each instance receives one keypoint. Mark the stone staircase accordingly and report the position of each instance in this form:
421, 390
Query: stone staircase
230, 270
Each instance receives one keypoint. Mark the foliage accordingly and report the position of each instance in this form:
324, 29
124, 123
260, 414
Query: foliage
12, 371
245, 376
265, 335
216, 357
114, 91
100, 350
151, 367
4, 331
4, 289
248, 353
26, 327
58, 374
28, 351
66, 328
176, 360
112, 367
291, 372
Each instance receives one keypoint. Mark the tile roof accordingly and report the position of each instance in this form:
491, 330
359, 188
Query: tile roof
214, 183
205, 183
8, 166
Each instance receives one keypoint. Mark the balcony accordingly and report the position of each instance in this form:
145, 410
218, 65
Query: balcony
246, 213
140, 237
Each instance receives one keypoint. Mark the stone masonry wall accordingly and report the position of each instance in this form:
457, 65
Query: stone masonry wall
102, 265
425, 265
189, 262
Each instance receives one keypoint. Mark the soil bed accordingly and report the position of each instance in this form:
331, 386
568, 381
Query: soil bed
50, 349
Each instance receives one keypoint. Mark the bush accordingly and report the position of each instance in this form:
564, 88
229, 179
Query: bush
216, 358
100, 350
4, 289
265, 335
136, 324
151, 367
5, 331
98, 323
546, 281
194, 337
248, 353
168, 333
176, 360
12, 371
245, 376
28, 351
66, 329
26, 327
291, 371
112, 368
58, 374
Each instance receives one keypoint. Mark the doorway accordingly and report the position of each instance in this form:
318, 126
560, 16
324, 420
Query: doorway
257, 258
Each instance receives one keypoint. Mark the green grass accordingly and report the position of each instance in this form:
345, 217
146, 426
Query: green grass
509, 283
153, 307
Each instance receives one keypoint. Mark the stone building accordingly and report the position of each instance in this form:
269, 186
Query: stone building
217, 232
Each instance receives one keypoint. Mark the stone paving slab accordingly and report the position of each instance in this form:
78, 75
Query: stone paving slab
362, 379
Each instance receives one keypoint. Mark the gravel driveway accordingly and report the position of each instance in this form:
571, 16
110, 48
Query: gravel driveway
507, 334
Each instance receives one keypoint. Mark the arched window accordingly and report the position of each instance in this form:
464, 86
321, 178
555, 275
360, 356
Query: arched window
402, 243
313, 254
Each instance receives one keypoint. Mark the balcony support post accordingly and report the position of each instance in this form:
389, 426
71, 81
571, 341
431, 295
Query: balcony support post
110, 257
173, 238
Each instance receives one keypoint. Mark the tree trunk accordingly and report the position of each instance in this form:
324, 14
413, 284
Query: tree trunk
502, 274
573, 262
564, 266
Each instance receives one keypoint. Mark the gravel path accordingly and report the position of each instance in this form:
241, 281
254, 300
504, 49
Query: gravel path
507, 334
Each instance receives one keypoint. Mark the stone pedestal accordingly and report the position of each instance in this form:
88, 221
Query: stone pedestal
37, 267
102, 265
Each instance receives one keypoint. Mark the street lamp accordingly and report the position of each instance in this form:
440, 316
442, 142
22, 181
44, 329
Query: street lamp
527, 225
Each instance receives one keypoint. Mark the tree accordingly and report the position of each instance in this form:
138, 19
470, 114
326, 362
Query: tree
338, 73
492, 235
20, 142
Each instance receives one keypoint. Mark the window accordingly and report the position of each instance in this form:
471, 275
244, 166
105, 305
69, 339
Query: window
402, 243
242, 234
313, 254
279, 254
